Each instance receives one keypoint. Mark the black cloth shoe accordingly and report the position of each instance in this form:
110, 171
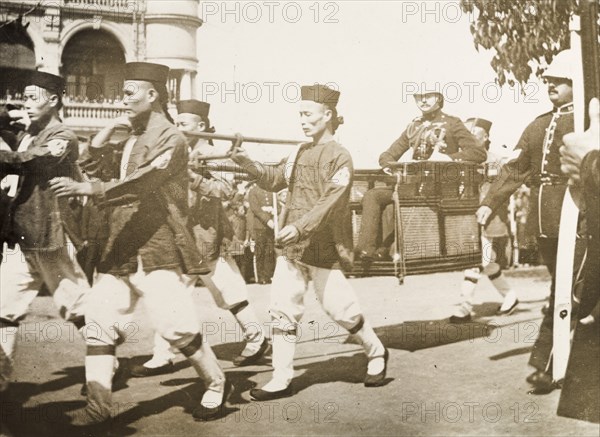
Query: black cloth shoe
377, 380
382, 255
458, 319
513, 307
539, 377
542, 383
241, 361
204, 414
141, 371
258, 394
365, 256
545, 388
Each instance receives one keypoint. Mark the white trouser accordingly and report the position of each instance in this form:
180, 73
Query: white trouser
225, 282
22, 274
337, 297
290, 284
227, 287
171, 310
166, 297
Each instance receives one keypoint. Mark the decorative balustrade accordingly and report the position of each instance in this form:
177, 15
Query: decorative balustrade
91, 111
94, 6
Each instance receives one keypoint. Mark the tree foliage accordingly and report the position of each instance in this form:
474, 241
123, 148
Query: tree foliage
520, 31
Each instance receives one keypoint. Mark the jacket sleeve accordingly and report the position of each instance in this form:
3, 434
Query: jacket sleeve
256, 204
98, 162
272, 177
469, 148
512, 175
51, 152
395, 151
337, 184
168, 159
215, 186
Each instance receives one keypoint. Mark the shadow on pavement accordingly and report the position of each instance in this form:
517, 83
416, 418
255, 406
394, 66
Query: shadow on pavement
20, 392
512, 353
50, 419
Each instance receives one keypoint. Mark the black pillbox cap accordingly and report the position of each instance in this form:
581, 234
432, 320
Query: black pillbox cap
320, 94
193, 107
147, 71
482, 123
48, 81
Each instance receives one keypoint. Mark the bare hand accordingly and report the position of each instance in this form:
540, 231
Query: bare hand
192, 175
289, 234
240, 156
19, 116
483, 214
122, 122
577, 145
67, 187
271, 224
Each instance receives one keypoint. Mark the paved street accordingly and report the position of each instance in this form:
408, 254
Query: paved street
443, 379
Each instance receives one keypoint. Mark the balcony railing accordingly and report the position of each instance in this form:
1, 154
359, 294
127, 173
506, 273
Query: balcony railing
91, 111
115, 6
89, 117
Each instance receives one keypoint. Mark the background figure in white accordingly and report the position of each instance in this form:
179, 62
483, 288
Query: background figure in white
495, 240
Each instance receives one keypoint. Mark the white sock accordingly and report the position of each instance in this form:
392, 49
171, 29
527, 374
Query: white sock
284, 348
162, 353
206, 364
374, 349
467, 292
253, 332
100, 369
509, 300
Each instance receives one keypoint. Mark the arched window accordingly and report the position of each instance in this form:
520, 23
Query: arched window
92, 63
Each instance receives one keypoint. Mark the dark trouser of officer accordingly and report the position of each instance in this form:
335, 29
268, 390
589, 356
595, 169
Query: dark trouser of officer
265, 255
374, 202
541, 353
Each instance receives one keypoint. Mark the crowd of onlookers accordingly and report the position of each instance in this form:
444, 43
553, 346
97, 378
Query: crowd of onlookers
250, 211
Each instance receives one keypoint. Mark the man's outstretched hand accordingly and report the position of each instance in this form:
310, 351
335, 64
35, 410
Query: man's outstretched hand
67, 187
289, 234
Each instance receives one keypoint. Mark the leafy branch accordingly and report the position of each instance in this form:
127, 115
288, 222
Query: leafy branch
521, 32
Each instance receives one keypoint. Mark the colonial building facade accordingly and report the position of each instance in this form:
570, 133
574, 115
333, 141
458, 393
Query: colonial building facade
87, 42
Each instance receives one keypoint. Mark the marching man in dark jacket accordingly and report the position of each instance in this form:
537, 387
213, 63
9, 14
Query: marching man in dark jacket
537, 164
34, 221
434, 135
210, 226
319, 177
150, 246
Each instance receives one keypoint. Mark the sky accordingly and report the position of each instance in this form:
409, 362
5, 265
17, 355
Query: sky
253, 57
